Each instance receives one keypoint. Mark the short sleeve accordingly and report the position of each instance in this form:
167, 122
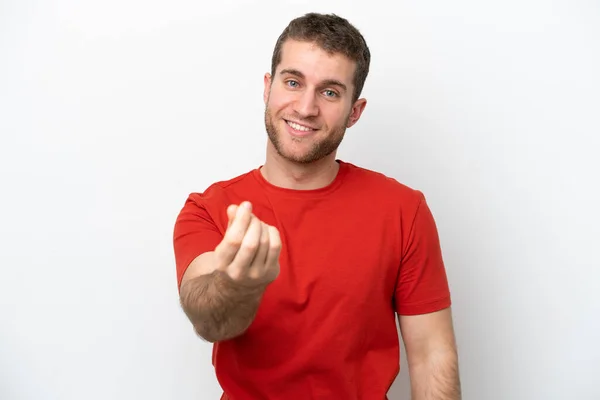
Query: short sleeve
422, 285
195, 232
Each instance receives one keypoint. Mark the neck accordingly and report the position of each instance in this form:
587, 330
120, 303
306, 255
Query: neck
284, 173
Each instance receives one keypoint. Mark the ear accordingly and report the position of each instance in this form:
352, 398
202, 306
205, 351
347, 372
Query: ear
267, 90
356, 112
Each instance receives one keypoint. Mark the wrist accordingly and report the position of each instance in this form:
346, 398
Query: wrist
237, 287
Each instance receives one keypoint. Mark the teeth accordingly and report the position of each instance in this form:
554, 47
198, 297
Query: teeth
298, 127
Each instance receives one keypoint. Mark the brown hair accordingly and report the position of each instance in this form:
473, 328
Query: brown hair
333, 34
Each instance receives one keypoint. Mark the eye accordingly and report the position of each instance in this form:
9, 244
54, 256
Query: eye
292, 83
330, 93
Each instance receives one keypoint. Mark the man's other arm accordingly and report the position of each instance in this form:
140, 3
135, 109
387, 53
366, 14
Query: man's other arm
432, 355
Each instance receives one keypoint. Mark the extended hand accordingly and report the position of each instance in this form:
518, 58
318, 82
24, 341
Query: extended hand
249, 251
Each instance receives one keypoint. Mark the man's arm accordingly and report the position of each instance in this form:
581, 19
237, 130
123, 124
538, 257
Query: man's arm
221, 290
432, 355
218, 307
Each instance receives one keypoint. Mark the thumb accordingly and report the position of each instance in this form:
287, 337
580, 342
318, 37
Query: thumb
231, 210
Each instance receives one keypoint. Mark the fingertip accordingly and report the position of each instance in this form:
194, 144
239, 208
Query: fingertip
245, 208
231, 210
274, 232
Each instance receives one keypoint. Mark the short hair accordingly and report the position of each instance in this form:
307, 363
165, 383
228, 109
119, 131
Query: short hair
333, 34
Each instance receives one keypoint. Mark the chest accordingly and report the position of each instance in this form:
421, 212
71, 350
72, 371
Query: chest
334, 257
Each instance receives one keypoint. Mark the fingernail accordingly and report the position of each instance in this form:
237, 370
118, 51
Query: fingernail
247, 205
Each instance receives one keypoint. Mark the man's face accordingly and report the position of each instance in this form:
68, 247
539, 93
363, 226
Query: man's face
309, 102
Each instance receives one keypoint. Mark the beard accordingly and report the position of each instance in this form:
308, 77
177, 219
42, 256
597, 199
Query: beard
318, 149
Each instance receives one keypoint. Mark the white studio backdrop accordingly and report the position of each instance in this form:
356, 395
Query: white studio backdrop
112, 112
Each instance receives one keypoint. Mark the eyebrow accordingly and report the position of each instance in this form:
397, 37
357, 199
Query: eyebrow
326, 82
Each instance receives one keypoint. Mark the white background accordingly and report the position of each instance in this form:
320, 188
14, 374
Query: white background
111, 112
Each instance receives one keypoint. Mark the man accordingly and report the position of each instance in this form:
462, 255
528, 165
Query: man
296, 270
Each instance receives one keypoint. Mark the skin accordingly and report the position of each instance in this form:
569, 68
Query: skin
315, 89
221, 290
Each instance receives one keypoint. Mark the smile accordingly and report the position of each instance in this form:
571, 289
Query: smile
299, 127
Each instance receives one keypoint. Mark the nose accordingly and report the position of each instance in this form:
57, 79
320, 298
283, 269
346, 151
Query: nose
306, 105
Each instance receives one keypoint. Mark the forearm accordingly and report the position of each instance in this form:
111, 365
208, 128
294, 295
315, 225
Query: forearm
436, 377
219, 308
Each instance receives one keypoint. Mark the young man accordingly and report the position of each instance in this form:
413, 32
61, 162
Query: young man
296, 269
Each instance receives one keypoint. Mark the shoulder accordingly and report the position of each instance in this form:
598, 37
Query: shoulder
383, 186
223, 191
208, 207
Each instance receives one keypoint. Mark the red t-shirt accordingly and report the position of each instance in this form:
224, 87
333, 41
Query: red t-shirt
353, 254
